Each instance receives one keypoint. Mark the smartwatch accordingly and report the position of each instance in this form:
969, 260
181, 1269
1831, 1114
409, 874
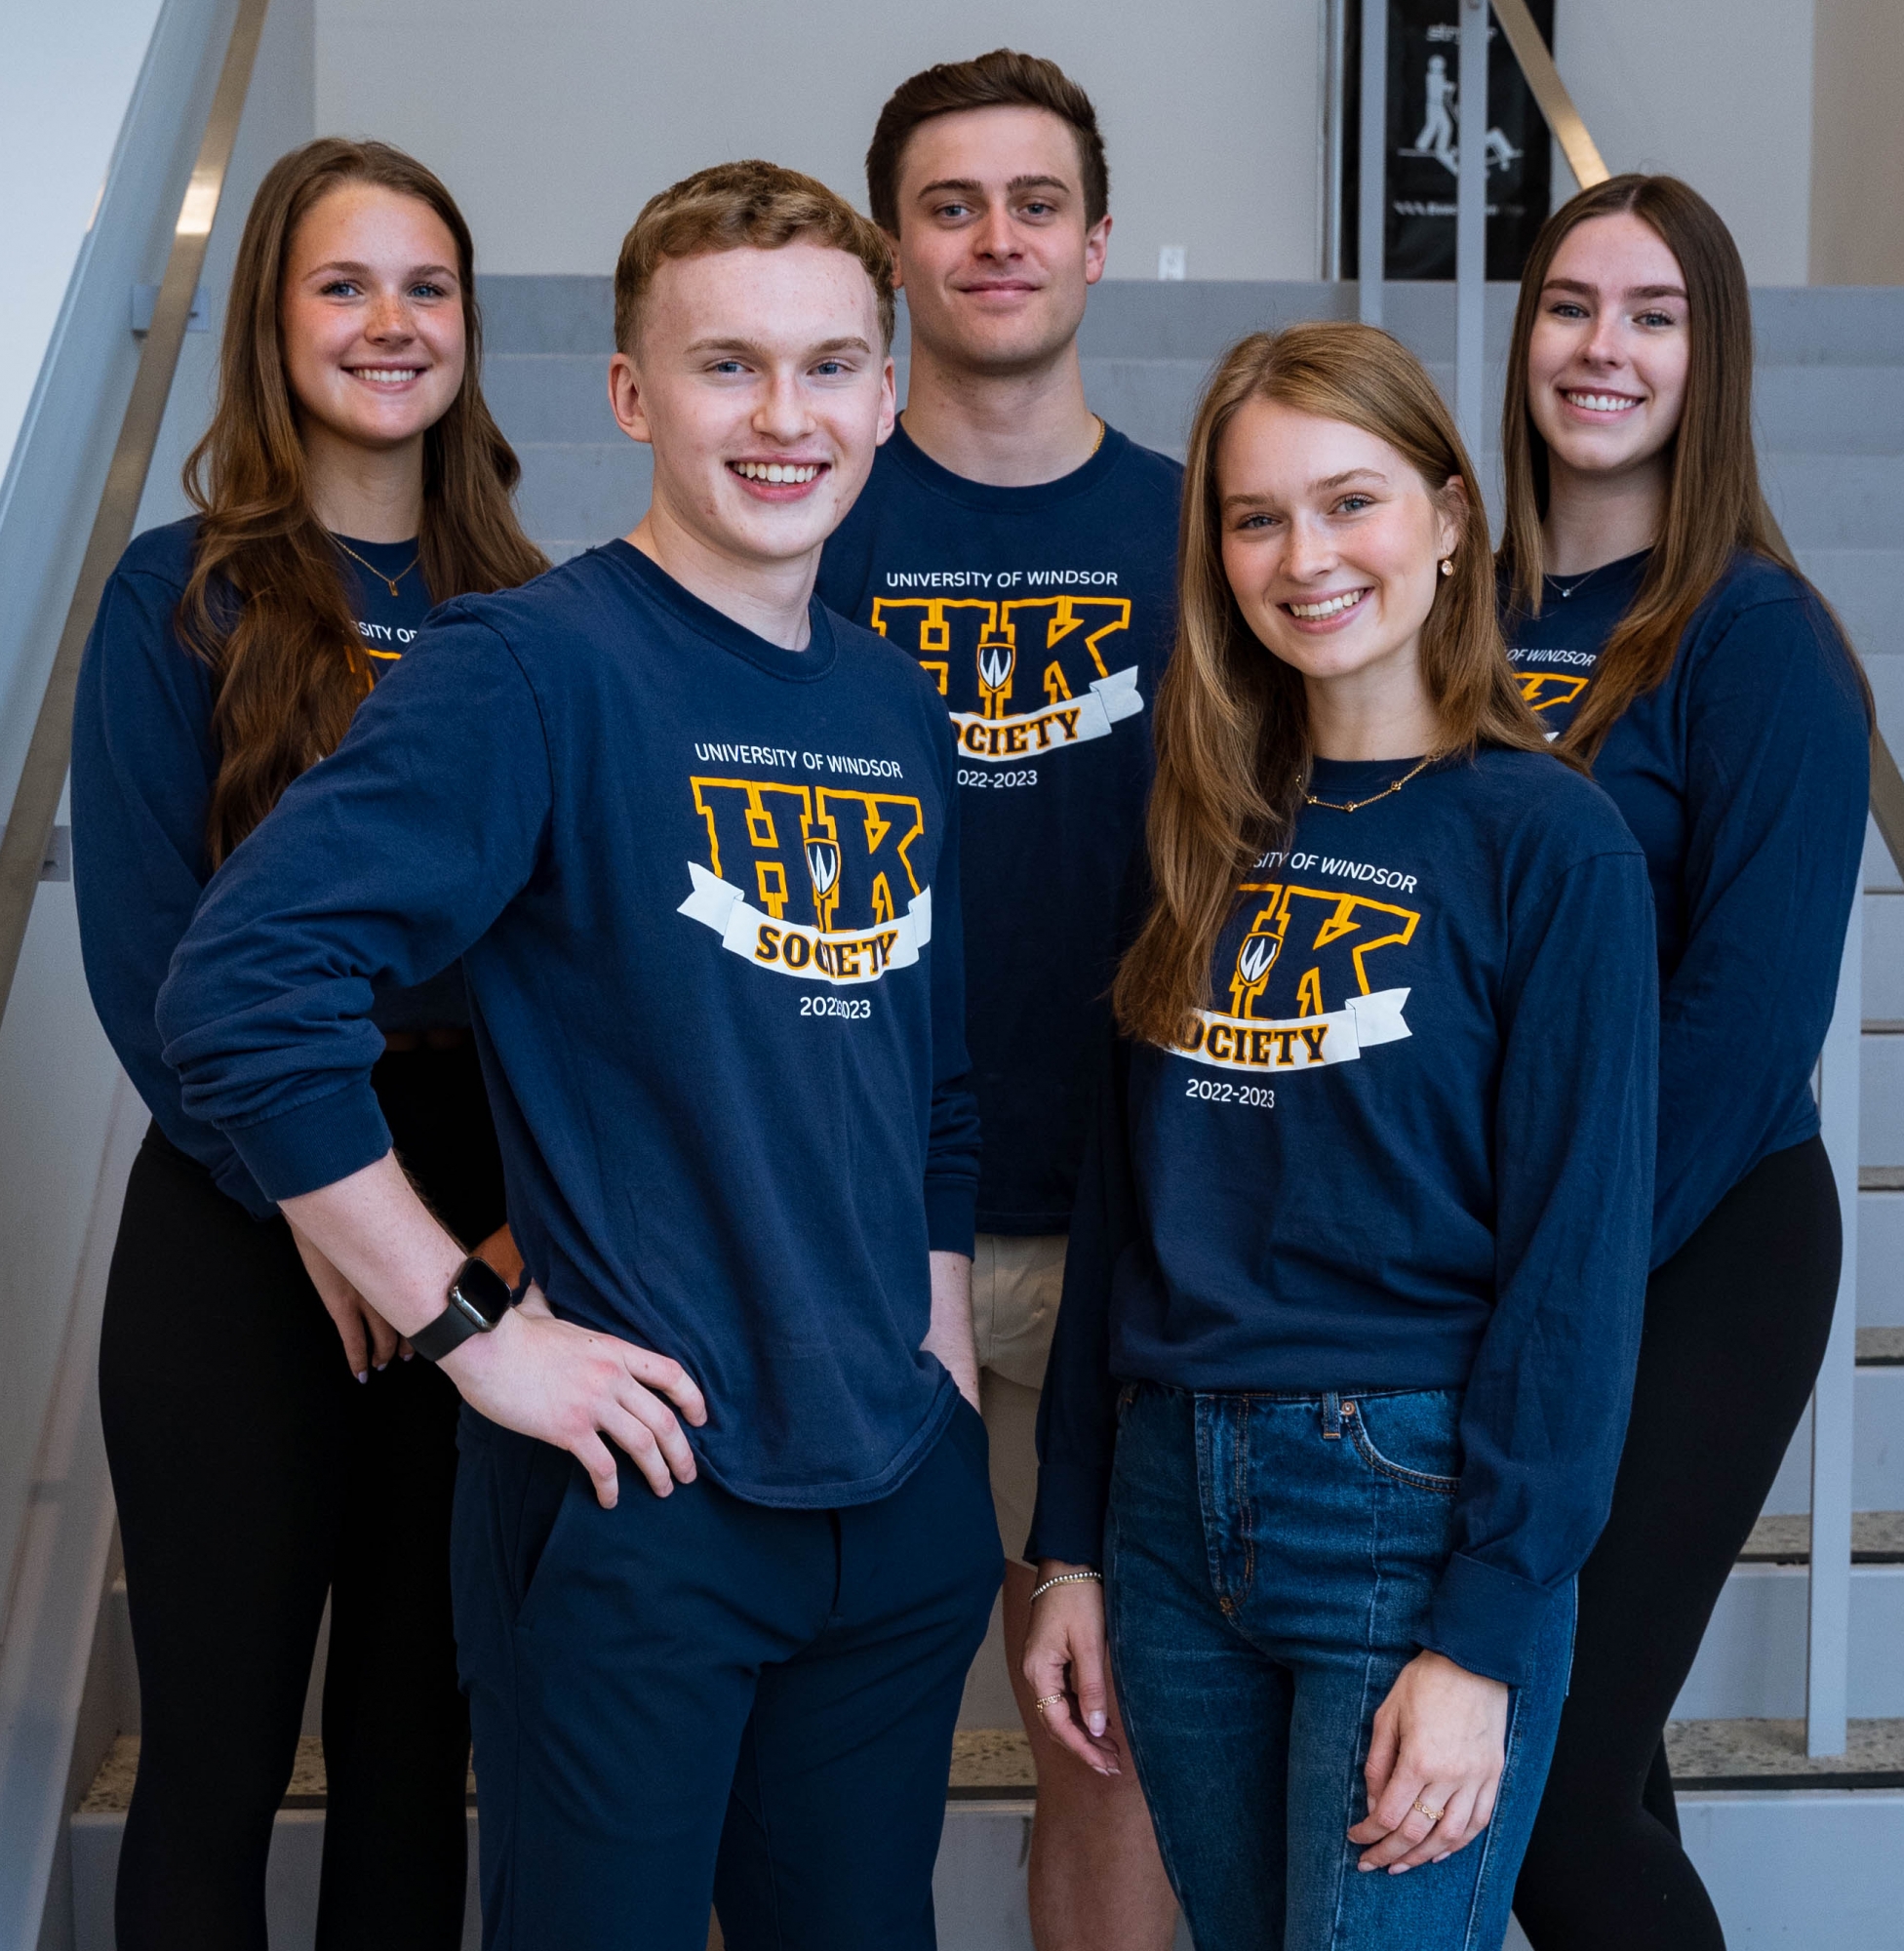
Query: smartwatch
479, 1297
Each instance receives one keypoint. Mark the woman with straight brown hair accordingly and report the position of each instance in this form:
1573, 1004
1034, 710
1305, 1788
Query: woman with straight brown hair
352, 477
1356, 1269
1666, 638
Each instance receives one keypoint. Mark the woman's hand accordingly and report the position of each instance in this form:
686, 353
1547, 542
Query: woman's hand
1064, 1663
369, 1340
1434, 1764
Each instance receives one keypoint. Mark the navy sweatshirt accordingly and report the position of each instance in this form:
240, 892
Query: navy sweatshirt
145, 762
693, 880
1044, 615
1745, 778
1407, 1146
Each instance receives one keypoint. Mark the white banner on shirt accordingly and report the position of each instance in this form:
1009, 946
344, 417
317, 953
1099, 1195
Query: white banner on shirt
1297, 1043
842, 956
1070, 721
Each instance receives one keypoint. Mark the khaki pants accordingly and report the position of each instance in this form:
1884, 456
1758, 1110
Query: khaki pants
1016, 1285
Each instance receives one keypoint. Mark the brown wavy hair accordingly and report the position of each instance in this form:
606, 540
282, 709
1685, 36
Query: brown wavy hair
1715, 506
1001, 79
266, 605
1233, 751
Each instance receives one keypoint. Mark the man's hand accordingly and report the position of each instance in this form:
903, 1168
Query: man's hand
1065, 1666
950, 1336
369, 1340
531, 1372
572, 1388
1435, 1762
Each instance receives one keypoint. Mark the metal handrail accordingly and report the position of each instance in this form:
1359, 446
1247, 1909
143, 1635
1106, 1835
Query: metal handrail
1550, 93
43, 778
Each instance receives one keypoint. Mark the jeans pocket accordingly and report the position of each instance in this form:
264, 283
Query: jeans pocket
1420, 1426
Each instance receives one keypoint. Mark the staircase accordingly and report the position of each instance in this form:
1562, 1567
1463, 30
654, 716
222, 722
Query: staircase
1796, 1853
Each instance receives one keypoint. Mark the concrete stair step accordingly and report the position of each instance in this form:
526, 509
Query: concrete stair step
1837, 500
1752, 1661
1785, 1539
1861, 585
1876, 1449
978, 1884
1765, 1754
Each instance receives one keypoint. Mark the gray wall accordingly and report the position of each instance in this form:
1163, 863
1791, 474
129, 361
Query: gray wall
553, 122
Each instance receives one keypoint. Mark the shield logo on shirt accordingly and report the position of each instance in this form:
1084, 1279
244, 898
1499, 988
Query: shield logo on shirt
1254, 959
996, 657
824, 864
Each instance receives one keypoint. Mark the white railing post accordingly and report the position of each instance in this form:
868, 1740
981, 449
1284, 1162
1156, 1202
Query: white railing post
1471, 231
1371, 176
1828, 1648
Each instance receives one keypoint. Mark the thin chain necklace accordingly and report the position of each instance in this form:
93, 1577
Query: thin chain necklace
1099, 441
392, 581
1356, 805
1565, 590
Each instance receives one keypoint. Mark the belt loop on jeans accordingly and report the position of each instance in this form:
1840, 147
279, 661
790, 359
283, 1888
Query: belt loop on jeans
1331, 1417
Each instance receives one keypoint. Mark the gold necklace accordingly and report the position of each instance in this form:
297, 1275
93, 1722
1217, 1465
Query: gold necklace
392, 581
1099, 441
1356, 805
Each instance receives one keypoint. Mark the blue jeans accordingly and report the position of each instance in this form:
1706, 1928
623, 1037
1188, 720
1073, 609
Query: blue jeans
1268, 1561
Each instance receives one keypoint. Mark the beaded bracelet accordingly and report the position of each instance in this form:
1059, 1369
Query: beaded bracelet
1063, 1578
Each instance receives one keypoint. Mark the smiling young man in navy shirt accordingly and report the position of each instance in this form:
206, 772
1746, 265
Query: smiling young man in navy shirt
1024, 553
723, 1546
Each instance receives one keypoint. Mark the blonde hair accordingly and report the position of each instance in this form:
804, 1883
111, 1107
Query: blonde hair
1232, 729
738, 207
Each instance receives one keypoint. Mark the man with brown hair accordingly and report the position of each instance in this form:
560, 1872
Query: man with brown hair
1024, 553
723, 1546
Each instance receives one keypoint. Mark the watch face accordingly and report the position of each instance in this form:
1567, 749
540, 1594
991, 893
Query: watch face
480, 1292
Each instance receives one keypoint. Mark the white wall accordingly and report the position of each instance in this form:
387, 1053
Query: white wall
1716, 91
554, 122
66, 74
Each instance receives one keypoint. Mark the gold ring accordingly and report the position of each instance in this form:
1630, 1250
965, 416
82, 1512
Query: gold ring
1050, 1700
1433, 1815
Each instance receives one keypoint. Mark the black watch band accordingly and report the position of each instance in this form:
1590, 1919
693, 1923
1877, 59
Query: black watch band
479, 1297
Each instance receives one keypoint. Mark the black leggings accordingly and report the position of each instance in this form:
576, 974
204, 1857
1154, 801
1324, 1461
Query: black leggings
1736, 1325
254, 1474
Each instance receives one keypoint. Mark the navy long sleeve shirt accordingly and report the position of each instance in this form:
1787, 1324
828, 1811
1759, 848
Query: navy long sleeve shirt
1745, 776
1045, 616
145, 763
1409, 1145
694, 882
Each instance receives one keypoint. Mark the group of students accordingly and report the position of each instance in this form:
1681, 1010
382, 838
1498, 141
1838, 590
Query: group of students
1369, 980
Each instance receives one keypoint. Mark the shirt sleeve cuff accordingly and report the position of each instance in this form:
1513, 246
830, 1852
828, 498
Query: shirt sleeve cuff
951, 1215
236, 1183
1486, 1621
1068, 1521
314, 1144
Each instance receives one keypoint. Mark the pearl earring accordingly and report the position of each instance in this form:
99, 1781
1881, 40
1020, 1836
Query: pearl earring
1447, 564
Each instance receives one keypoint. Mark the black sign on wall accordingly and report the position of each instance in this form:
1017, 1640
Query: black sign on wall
1424, 142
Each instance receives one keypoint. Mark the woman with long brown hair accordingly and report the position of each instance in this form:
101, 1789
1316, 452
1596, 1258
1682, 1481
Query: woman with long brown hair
352, 477
1666, 638
1356, 1269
